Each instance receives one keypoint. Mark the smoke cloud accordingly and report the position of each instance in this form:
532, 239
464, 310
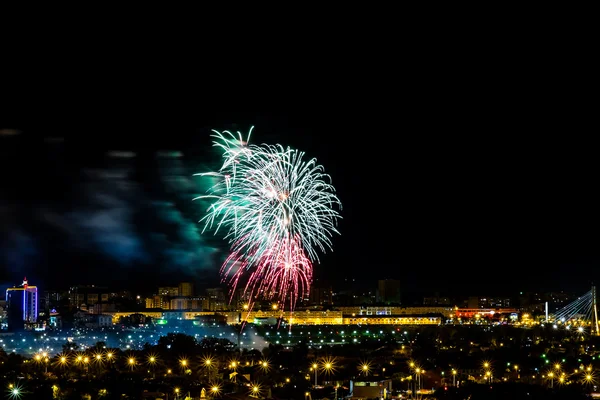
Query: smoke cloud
126, 214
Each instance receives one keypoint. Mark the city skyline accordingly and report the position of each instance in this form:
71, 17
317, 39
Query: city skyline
433, 213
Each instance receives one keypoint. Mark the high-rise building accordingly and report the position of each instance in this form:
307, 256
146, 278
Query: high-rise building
22, 306
217, 299
388, 291
321, 296
186, 289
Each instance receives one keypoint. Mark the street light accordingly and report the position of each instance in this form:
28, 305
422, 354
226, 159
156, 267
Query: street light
255, 391
208, 362
152, 362
365, 368
328, 365
409, 379
264, 365
184, 364
454, 377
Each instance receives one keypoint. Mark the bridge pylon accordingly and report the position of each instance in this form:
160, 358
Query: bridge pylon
595, 312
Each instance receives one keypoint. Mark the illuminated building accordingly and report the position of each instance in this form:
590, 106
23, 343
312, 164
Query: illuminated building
153, 302
340, 318
393, 310
412, 316
167, 291
483, 312
391, 320
186, 289
22, 306
186, 303
217, 299
297, 317
370, 389
84, 319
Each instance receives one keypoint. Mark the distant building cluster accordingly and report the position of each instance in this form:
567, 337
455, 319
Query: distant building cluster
180, 297
93, 306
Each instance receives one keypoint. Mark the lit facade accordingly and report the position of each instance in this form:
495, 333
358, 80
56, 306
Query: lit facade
340, 318
297, 317
186, 289
392, 310
22, 306
231, 317
361, 390
483, 312
307, 317
391, 320
168, 291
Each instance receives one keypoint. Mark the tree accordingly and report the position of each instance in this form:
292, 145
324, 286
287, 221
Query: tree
178, 343
99, 346
69, 347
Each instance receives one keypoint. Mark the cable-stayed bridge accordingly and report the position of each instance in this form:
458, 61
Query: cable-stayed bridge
583, 312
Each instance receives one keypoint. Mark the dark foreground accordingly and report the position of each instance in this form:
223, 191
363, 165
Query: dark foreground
513, 391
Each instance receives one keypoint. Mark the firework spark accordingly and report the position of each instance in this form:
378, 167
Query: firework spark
277, 211
283, 272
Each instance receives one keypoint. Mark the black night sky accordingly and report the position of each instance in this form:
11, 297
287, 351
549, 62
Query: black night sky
474, 209
468, 183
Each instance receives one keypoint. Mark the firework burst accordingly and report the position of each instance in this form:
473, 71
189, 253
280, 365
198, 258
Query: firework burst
283, 272
277, 211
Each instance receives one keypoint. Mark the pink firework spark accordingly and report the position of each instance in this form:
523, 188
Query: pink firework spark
283, 272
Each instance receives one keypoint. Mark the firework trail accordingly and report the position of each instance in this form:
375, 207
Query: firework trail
283, 272
276, 210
